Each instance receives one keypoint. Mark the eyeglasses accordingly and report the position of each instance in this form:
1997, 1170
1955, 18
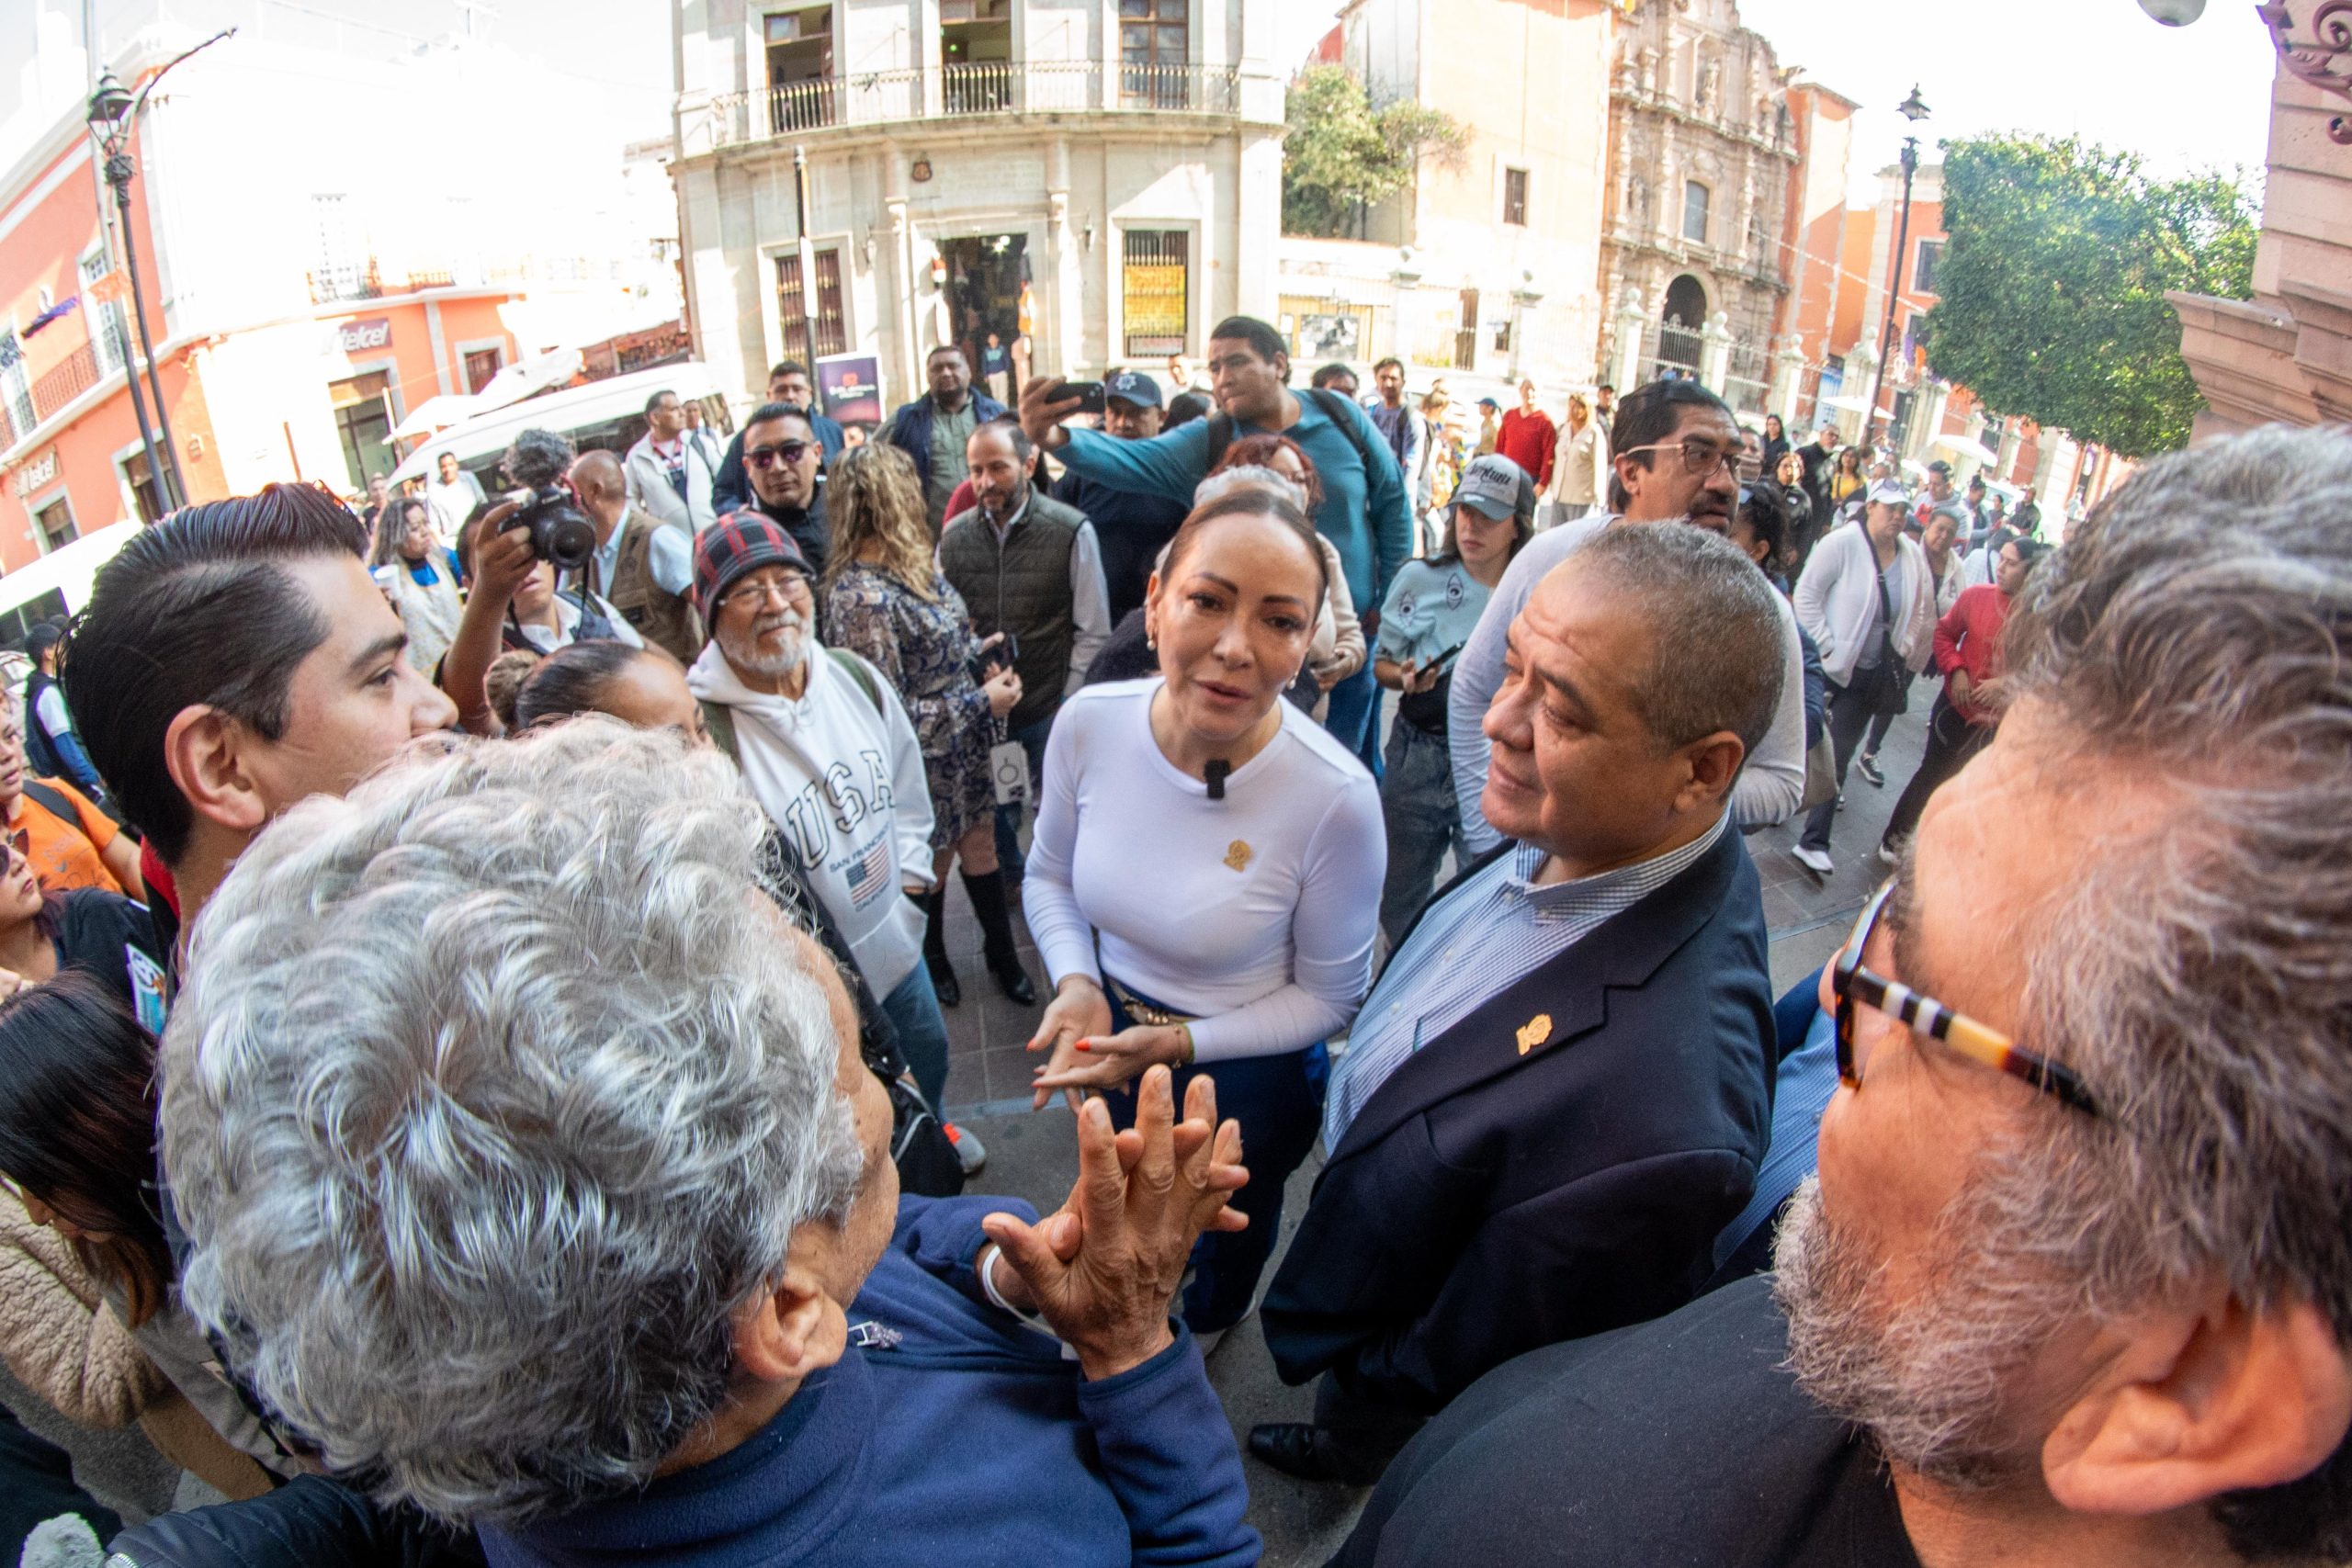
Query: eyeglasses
1854, 984
789, 452
780, 590
1700, 459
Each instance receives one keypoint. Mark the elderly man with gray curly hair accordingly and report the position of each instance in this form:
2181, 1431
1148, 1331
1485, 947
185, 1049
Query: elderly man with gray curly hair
2073, 1283
534, 1177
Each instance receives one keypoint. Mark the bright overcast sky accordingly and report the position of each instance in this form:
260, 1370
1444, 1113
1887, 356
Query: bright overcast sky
2185, 98
2191, 97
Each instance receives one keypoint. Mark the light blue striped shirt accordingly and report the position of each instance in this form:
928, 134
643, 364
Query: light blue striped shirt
1488, 933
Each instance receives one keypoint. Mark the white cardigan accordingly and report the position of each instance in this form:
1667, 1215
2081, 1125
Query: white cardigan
1836, 601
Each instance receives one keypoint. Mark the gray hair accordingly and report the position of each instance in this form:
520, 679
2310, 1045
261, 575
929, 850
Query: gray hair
2192, 633
485, 1104
1249, 476
1717, 649
537, 457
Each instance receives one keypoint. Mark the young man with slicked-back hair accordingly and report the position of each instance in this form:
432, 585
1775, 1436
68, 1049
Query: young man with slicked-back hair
235, 659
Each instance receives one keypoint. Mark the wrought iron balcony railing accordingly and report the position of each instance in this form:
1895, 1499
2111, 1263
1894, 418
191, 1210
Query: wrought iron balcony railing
959, 91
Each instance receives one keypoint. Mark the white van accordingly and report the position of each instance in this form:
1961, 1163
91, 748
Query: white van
57, 586
607, 415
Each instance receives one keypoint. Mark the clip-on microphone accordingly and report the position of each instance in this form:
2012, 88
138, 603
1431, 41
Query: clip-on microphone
1214, 772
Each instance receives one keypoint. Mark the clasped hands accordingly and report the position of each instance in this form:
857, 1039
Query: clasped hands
1085, 1053
1104, 1269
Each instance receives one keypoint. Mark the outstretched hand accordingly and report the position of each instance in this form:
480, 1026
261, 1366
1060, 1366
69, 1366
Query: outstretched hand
1103, 1270
1041, 417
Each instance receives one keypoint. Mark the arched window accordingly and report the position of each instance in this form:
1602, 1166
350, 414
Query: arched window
1695, 198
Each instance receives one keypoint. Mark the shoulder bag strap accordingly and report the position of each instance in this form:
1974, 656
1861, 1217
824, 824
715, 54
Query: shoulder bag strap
855, 669
56, 804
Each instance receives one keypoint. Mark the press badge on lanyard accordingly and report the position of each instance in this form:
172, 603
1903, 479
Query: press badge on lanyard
146, 991
1009, 767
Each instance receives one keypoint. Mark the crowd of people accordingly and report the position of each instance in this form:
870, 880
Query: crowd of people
471, 1047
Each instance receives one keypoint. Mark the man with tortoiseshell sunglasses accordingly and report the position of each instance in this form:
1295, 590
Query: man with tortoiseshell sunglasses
2073, 1284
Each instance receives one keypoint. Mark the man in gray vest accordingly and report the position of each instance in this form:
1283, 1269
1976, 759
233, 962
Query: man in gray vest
644, 567
1030, 567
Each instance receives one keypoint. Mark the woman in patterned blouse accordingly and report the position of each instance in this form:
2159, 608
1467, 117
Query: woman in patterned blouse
886, 599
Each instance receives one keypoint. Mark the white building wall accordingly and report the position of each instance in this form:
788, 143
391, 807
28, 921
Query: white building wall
1068, 183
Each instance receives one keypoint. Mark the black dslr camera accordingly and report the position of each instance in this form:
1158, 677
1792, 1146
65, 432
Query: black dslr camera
560, 532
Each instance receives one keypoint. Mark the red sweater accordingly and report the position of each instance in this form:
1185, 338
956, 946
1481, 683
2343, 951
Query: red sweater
1969, 637
1528, 439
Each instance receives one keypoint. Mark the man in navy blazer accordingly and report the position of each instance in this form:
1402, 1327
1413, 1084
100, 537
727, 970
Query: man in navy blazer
1561, 1087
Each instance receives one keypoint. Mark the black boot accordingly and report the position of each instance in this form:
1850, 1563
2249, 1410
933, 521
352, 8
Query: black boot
996, 933
935, 949
1303, 1449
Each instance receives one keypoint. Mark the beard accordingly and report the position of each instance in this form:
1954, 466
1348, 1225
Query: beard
747, 651
1930, 1376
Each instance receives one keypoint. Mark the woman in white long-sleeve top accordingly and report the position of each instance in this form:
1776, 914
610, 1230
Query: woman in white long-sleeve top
1205, 881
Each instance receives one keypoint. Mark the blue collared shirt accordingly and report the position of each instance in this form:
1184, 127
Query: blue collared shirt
1488, 934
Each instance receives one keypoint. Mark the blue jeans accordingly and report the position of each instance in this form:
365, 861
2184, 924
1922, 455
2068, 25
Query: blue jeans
1417, 802
1278, 1102
1354, 710
1008, 817
913, 1011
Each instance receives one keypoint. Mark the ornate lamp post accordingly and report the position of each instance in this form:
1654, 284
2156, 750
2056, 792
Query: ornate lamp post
113, 114
1914, 109
109, 107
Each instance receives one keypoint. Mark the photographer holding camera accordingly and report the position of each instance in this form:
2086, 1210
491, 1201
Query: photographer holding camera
520, 545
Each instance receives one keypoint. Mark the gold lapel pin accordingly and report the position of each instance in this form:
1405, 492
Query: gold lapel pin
1534, 1032
1238, 855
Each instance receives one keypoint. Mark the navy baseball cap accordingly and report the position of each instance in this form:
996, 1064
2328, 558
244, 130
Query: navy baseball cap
1133, 387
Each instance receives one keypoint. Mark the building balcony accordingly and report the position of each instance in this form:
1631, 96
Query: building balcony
966, 91
64, 381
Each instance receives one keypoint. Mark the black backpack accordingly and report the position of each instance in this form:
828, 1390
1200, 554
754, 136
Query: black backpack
1336, 409
41, 756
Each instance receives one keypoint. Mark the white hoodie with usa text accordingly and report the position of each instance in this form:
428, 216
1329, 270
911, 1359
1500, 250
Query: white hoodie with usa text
841, 774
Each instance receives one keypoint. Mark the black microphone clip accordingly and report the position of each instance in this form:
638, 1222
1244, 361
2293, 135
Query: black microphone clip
1214, 773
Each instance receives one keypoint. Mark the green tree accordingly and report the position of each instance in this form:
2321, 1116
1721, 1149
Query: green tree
2052, 285
1342, 156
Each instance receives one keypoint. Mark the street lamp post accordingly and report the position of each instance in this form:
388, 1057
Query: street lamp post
113, 113
1914, 109
109, 105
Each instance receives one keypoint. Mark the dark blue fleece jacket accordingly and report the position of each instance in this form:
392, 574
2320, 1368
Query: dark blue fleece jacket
954, 1435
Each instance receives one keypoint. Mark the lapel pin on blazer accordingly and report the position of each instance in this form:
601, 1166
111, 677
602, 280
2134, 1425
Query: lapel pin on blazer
1536, 1031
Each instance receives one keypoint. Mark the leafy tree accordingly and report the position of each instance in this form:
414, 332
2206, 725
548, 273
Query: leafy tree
1342, 157
2052, 285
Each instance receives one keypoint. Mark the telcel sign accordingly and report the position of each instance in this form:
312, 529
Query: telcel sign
354, 337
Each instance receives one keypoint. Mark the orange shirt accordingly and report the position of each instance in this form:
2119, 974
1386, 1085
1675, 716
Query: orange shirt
65, 854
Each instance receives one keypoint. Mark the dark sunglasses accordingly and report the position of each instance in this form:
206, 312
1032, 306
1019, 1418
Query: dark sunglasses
787, 453
1856, 986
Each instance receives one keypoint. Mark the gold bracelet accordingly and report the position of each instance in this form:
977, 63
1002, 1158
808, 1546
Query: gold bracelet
1185, 1031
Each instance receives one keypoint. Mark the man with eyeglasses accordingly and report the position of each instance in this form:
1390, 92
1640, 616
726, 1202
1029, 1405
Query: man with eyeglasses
827, 748
782, 455
2073, 1284
788, 384
1673, 452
